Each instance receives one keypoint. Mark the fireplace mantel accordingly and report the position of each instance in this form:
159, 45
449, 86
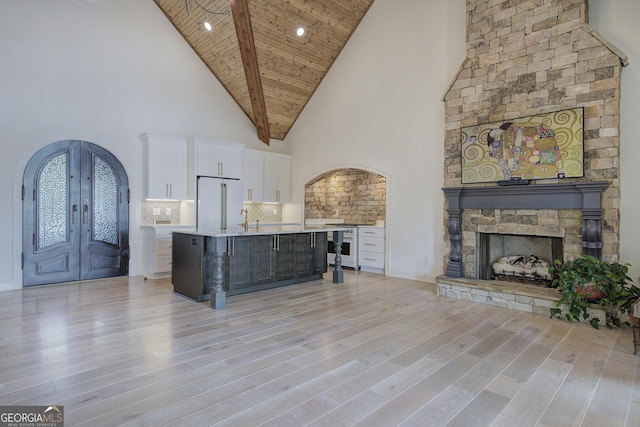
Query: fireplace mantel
578, 195
585, 196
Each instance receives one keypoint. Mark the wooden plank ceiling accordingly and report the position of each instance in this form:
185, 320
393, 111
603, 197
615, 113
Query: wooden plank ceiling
276, 72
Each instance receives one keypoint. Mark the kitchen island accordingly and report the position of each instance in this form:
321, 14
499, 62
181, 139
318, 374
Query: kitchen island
211, 264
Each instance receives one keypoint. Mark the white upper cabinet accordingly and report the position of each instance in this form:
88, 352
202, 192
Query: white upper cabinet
266, 176
253, 176
216, 158
277, 178
165, 167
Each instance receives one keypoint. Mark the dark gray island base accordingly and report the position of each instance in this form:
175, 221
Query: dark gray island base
210, 266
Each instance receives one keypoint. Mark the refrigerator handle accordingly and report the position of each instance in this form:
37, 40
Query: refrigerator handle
223, 207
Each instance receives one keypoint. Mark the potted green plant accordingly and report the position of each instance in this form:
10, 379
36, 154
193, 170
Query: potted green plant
587, 280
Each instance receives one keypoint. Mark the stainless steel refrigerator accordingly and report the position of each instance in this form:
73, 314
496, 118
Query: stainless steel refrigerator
219, 203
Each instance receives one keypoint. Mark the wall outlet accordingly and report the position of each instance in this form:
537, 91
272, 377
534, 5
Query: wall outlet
156, 211
167, 211
275, 211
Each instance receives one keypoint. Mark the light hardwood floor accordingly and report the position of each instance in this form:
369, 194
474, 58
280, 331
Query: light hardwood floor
375, 351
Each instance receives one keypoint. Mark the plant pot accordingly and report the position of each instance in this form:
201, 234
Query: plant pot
590, 291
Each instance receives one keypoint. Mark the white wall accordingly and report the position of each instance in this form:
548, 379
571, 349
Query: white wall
104, 74
379, 108
617, 21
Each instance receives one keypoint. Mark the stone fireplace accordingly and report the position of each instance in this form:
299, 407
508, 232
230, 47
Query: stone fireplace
526, 58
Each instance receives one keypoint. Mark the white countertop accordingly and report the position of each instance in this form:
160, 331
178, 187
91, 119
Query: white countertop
266, 229
166, 226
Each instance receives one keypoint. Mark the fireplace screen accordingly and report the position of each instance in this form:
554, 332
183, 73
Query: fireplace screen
536, 147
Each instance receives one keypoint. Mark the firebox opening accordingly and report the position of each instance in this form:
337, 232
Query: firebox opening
517, 258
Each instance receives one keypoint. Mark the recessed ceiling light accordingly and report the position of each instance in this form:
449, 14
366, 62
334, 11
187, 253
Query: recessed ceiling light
300, 32
207, 26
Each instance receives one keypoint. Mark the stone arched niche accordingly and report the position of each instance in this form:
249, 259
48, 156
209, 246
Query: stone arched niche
355, 195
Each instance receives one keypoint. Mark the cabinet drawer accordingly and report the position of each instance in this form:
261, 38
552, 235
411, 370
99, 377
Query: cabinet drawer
371, 259
163, 234
369, 244
163, 263
371, 232
163, 247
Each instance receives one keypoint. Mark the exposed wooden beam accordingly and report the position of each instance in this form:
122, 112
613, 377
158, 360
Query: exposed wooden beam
242, 21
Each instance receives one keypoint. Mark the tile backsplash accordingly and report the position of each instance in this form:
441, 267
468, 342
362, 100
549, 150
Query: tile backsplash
163, 210
265, 212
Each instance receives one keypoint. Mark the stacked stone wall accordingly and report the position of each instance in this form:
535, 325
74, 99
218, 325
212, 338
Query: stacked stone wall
529, 57
355, 195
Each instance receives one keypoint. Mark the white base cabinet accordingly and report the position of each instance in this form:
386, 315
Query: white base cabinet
157, 252
371, 248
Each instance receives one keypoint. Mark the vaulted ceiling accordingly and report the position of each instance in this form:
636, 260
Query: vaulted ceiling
254, 51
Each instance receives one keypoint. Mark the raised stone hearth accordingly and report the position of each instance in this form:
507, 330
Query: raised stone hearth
522, 297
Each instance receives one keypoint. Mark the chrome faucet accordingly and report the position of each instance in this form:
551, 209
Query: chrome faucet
245, 224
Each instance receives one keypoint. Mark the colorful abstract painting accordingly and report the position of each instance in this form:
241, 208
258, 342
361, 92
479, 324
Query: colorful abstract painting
536, 147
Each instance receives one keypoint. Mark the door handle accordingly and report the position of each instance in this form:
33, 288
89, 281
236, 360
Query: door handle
85, 214
74, 215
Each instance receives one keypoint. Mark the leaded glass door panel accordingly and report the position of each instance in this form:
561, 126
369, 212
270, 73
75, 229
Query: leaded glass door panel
75, 215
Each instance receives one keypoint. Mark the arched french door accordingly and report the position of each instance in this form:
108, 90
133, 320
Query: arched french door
75, 209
